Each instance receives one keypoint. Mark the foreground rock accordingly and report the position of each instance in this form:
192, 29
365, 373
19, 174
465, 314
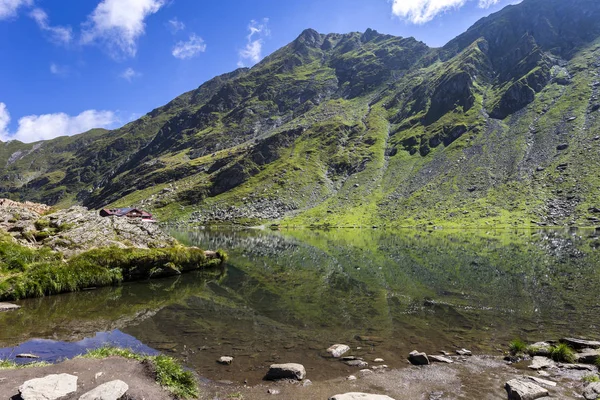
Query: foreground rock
50, 387
541, 363
8, 307
360, 396
417, 358
338, 350
592, 391
522, 390
286, 371
113, 390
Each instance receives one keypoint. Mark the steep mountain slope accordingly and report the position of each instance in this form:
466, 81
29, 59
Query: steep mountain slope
498, 126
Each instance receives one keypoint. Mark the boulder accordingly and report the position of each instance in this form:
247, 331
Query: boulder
360, 396
225, 360
113, 390
417, 358
286, 371
338, 350
541, 363
581, 343
50, 387
592, 391
440, 359
522, 390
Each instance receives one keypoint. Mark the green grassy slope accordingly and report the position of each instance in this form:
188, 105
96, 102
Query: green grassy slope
497, 127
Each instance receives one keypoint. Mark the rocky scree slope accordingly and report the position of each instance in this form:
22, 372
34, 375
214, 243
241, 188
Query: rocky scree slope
500, 126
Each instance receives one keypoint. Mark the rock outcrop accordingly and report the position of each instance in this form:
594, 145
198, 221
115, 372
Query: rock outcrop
50, 387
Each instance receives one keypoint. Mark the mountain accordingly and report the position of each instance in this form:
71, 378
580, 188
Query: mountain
500, 126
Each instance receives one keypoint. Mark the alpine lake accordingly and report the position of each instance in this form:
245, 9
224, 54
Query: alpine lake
286, 296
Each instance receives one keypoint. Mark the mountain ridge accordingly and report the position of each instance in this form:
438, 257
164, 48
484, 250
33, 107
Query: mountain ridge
359, 129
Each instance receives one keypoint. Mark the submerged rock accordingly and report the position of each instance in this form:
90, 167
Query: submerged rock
113, 390
417, 358
360, 396
338, 350
522, 390
50, 387
286, 371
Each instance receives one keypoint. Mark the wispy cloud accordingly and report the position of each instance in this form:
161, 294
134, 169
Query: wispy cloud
57, 34
60, 70
118, 24
252, 52
33, 128
190, 48
422, 11
130, 74
9, 8
175, 25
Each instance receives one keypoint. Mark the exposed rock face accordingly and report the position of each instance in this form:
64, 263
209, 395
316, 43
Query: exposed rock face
338, 350
50, 387
522, 390
360, 396
417, 358
286, 371
113, 390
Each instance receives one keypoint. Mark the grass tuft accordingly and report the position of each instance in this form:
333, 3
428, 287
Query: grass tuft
517, 346
562, 353
591, 378
8, 364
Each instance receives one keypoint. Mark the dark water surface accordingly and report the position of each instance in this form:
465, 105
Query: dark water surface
286, 297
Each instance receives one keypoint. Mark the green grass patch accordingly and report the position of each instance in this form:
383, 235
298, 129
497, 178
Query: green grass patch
8, 364
562, 353
517, 346
591, 378
167, 371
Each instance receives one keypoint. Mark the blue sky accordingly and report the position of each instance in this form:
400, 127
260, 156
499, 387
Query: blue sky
71, 65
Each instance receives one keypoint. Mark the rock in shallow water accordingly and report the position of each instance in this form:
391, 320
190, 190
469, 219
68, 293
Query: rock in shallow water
8, 307
541, 363
338, 350
581, 343
225, 360
113, 390
522, 390
360, 396
286, 371
417, 358
50, 387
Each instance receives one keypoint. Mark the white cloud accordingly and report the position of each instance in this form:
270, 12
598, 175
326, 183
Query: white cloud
188, 49
129, 74
175, 25
58, 34
59, 70
8, 8
33, 128
253, 50
422, 11
119, 24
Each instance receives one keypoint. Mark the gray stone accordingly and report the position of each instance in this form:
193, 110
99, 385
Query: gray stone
360, 396
541, 381
577, 367
50, 387
522, 390
464, 352
8, 307
273, 391
378, 360
592, 391
541, 363
338, 350
112, 390
417, 358
541, 349
581, 343
225, 360
357, 363
286, 371
365, 372
27, 355
440, 359
587, 356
